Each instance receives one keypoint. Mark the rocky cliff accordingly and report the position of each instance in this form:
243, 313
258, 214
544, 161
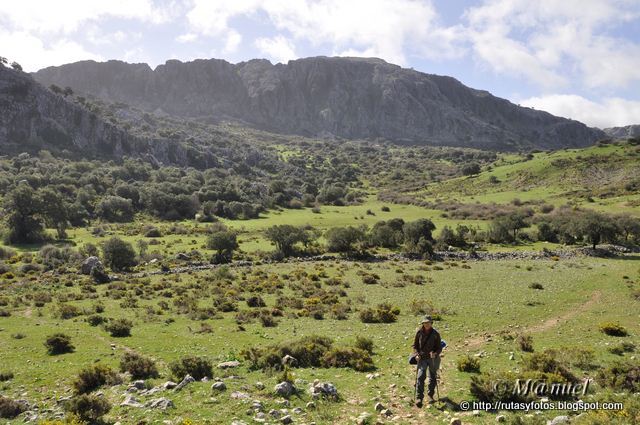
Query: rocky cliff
34, 118
346, 97
623, 132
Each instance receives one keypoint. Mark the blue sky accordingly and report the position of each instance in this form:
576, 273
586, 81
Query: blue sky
574, 58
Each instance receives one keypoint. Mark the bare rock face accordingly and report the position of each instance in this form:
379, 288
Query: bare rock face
623, 132
321, 96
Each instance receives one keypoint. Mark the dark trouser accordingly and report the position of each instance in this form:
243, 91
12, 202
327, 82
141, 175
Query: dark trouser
430, 365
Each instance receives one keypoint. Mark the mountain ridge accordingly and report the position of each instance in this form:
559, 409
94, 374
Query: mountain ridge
354, 98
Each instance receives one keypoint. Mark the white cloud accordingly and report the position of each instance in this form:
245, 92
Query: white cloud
389, 30
66, 16
33, 54
610, 112
552, 43
187, 38
277, 48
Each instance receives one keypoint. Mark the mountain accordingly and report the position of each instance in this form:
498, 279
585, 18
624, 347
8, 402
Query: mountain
33, 117
354, 98
623, 132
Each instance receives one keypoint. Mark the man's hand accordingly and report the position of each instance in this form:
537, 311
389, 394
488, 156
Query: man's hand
433, 354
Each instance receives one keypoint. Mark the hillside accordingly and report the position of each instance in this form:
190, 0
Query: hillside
352, 98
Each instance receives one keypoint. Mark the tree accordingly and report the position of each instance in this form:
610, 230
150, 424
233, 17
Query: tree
115, 209
55, 211
418, 236
16, 66
68, 91
516, 221
629, 226
3, 61
56, 89
471, 169
595, 227
24, 215
118, 254
224, 242
386, 234
286, 236
344, 239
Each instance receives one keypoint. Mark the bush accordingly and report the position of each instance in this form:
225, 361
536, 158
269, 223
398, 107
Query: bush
525, 342
536, 285
67, 311
197, 367
53, 257
365, 344
118, 254
256, 301
354, 358
6, 376
308, 351
547, 363
94, 377
383, 313
621, 376
468, 364
624, 347
88, 408
59, 344
96, 320
119, 328
138, 366
483, 386
9, 408
613, 329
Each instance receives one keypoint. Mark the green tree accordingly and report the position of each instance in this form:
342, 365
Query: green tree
24, 215
596, 227
629, 226
344, 239
55, 211
224, 242
418, 236
118, 254
286, 236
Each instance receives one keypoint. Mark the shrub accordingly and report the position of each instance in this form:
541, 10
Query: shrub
369, 279
96, 320
308, 351
9, 408
623, 347
268, 321
483, 386
468, 364
119, 328
88, 408
94, 377
53, 257
6, 376
67, 311
138, 366
383, 313
385, 208
365, 344
535, 285
354, 358
613, 329
118, 254
256, 301
525, 342
59, 344
621, 376
197, 367
547, 363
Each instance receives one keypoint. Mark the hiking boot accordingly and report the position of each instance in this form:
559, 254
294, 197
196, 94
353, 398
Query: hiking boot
431, 400
419, 403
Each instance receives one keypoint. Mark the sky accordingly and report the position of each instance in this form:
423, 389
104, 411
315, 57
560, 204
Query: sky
574, 58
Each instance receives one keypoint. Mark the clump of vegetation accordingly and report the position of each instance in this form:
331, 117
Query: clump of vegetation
67, 311
119, 328
197, 367
536, 285
10, 408
365, 344
59, 343
354, 358
88, 407
613, 329
310, 351
525, 342
6, 376
138, 366
383, 313
96, 320
118, 254
547, 362
94, 377
623, 347
468, 364
621, 376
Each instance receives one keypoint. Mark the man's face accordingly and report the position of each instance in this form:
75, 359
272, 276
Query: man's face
426, 326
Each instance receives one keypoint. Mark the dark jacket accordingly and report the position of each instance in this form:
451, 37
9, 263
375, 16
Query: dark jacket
424, 342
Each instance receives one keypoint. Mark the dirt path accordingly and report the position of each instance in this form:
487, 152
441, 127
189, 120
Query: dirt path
477, 341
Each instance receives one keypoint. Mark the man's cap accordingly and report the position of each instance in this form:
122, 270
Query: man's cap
426, 319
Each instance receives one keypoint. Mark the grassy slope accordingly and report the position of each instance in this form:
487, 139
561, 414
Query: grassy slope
487, 297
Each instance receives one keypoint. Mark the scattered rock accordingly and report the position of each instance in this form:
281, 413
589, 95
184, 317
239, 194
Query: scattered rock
239, 395
501, 418
379, 407
130, 401
186, 381
455, 421
284, 389
219, 386
259, 385
88, 264
139, 384
363, 418
559, 420
323, 389
289, 361
169, 385
182, 256
159, 403
311, 405
386, 412
229, 364
286, 419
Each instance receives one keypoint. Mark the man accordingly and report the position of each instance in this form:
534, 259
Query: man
426, 349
